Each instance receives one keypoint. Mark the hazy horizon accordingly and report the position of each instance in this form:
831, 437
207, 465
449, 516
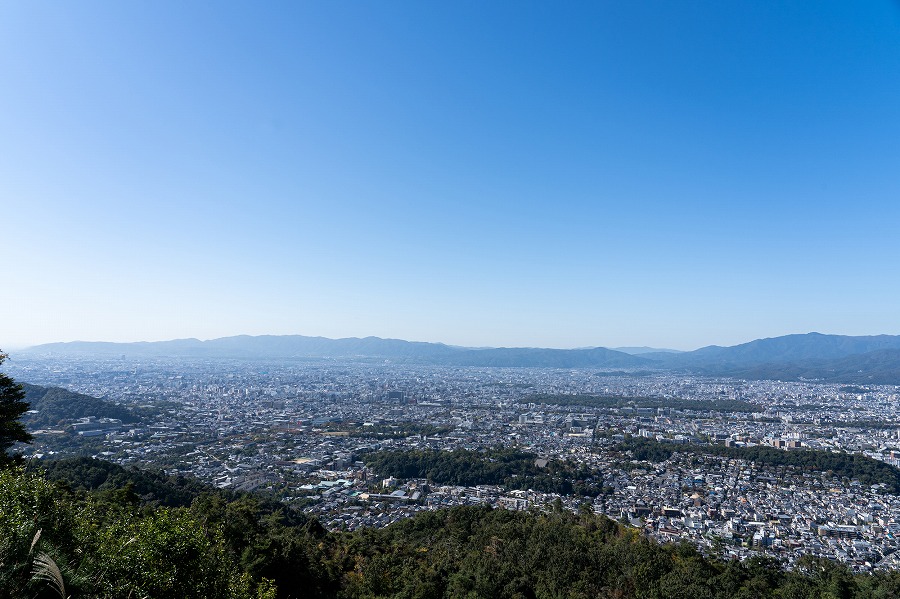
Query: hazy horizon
509, 174
27, 346
13, 348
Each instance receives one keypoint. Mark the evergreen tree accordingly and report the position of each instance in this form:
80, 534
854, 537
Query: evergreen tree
12, 406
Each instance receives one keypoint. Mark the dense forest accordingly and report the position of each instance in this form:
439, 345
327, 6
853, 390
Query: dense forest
151, 487
612, 401
511, 468
840, 464
57, 541
51, 406
879, 367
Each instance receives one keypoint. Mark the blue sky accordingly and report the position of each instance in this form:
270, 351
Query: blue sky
673, 174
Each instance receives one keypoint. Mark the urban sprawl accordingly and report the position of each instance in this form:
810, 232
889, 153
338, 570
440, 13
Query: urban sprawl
302, 430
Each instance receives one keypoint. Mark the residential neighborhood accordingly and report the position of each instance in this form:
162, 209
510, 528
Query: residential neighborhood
305, 431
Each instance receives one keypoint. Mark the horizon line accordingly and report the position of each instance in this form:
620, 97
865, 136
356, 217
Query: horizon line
582, 347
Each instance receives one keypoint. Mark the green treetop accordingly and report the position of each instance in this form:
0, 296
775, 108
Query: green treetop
12, 406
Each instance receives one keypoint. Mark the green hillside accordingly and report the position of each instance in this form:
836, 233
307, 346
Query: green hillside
51, 406
108, 544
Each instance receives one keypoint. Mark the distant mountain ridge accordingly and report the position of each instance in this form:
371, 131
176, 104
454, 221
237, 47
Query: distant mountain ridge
638, 351
787, 348
871, 359
880, 367
299, 346
247, 346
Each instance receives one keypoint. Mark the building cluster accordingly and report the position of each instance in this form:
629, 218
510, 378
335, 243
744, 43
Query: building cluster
302, 429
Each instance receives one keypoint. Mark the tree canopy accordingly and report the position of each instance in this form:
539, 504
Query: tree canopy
12, 407
109, 544
511, 468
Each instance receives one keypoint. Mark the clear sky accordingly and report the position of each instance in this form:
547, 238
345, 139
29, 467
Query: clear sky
673, 174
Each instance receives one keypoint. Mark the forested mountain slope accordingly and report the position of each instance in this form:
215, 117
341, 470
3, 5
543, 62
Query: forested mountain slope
109, 544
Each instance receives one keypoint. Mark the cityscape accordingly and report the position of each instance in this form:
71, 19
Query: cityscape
647, 446
449, 300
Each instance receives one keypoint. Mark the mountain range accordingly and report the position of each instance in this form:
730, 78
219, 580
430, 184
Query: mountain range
833, 358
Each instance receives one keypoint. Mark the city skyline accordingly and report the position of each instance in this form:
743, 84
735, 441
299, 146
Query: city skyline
503, 175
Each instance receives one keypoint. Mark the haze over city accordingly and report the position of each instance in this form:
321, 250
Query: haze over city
509, 174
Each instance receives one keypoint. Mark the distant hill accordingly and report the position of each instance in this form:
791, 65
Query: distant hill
881, 367
779, 350
54, 405
637, 351
832, 358
298, 346
246, 346
839, 358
